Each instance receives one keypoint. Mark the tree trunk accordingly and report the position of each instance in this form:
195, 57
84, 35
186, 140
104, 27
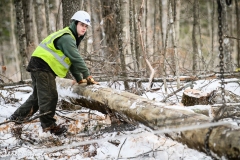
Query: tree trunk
30, 27
131, 36
174, 43
68, 9
165, 33
212, 32
194, 40
177, 13
110, 37
224, 139
96, 29
228, 66
121, 10
46, 5
161, 38
109, 18
21, 39
40, 19
15, 64
238, 32
138, 52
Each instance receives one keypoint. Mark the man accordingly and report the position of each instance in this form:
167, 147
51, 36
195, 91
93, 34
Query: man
55, 56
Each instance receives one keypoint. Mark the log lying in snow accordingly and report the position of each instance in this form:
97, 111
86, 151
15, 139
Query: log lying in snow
223, 141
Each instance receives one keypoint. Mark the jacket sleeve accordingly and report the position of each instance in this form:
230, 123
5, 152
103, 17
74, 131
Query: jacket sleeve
68, 46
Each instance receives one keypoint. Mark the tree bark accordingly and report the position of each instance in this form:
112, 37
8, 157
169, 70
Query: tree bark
69, 8
96, 26
30, 26
174, 43
238, 32
131, 35
16, 63
121, 10
21, 39
194, 40
223, 141
46, 5
193, 97
40, 19
212, 33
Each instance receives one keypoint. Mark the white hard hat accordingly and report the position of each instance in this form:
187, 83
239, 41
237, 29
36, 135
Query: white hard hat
83, 17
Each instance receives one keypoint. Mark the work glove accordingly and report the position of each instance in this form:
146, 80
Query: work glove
82, 81
238, 70
90, 80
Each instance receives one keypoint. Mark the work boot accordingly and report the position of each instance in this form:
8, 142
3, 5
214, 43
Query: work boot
13, 117
56, 129
17, 119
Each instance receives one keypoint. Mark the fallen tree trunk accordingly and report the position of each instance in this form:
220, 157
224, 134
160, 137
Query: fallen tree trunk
223, 141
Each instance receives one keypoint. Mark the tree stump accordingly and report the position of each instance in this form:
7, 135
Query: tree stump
193, 97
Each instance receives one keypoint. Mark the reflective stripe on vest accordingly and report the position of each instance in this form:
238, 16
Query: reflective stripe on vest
60, 59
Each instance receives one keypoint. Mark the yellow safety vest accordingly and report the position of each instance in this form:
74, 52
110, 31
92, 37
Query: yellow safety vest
55, 58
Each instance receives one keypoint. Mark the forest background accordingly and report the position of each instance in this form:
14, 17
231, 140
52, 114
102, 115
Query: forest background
128, 38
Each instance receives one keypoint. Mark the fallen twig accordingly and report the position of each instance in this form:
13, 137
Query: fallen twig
65, 117
178, 90
15, 83
25, 121
121, 147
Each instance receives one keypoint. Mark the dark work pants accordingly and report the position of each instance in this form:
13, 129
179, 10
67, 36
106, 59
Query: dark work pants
44, 98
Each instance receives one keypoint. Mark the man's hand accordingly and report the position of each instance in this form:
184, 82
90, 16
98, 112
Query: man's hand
90, 80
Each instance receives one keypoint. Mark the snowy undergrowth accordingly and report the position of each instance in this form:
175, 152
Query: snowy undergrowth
84, 139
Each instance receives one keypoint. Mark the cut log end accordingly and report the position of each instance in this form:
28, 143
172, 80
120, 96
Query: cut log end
193, 97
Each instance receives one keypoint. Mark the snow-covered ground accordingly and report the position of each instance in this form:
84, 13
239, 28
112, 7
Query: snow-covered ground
84, 141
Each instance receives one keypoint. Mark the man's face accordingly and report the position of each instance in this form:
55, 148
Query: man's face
81, 28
